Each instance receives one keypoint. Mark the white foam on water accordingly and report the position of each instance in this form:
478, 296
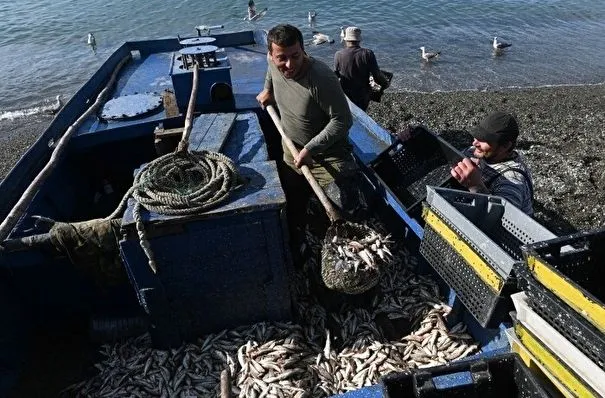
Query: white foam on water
48, 107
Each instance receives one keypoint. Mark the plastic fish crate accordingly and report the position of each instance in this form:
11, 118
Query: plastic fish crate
574, 369
503, 375
572, 268
407, 168
547, 380
567, 377
472, 241
581, 333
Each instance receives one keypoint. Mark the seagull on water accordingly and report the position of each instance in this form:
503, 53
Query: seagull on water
430, 55
342, 34
320, 38
499, 45
312, 15
91, 40
56, 107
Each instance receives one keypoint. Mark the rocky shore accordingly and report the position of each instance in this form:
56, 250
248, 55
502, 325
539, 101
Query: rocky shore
562, 138
16, 136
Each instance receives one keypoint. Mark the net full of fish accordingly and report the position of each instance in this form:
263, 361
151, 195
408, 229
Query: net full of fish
317, 355
352, 256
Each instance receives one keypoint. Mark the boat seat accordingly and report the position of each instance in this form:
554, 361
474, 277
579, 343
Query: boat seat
210, 131
246, 143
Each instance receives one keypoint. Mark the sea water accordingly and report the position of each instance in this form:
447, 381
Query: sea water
43, 49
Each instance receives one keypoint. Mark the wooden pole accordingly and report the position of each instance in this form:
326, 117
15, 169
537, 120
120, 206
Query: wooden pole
184, 143
332, 212
225, 384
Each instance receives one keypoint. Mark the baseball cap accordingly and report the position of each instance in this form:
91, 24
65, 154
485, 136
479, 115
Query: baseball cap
498, 127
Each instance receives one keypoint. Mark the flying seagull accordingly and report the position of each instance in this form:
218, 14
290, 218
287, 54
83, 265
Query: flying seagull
320, 38
430, 55
500, 45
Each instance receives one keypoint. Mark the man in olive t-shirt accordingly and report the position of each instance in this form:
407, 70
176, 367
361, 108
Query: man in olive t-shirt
313, 108
314, 112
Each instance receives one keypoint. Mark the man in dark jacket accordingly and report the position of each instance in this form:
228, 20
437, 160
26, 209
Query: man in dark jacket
354, 65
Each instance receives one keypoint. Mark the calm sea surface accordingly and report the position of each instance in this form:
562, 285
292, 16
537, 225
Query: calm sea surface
43, 49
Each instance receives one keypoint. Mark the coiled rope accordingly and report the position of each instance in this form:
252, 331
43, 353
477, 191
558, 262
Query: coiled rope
180, 183
185, 183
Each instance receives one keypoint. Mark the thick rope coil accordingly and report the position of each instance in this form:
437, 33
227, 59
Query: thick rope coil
185, 183
179, 183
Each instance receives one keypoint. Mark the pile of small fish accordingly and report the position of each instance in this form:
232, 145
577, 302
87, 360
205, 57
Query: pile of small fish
365, 252
320, 354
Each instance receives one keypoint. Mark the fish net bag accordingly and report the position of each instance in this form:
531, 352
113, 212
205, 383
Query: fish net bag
343, 272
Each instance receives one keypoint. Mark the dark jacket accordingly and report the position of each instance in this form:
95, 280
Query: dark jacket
354, 65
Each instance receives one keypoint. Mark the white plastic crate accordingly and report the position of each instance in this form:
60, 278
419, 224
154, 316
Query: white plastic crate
560, 346
531, 361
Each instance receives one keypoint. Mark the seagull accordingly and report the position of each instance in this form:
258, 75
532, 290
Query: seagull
320, 38
430, 55
56, 107
312, 15
499, 45
91, 40
342, 34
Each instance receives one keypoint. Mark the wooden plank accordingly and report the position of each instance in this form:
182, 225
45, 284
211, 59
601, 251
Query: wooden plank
162, 133
210, 131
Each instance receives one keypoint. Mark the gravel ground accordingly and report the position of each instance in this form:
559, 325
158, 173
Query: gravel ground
16, 136
562, 138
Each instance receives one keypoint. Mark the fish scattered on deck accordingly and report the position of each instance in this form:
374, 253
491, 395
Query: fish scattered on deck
325, 354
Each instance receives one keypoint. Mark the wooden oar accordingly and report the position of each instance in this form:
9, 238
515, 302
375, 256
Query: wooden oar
321, 195
225, 384
339, 230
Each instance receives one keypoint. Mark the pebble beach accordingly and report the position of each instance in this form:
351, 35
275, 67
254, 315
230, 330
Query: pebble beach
562, 138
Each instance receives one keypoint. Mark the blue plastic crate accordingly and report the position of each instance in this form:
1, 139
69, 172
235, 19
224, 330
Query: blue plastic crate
503, 375
219, 269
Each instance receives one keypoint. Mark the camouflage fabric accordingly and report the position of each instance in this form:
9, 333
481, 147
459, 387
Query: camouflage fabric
92, 247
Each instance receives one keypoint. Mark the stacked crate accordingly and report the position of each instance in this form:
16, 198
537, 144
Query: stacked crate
560, 320
472, 241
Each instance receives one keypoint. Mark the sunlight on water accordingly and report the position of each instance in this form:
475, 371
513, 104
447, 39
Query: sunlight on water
44, 51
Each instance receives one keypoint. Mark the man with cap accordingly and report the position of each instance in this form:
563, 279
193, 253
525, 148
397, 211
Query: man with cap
494, 166
354, 65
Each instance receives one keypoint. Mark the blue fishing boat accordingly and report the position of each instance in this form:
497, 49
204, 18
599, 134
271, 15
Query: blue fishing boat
86, 259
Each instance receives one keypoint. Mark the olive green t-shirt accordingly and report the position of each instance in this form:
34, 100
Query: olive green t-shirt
314, 110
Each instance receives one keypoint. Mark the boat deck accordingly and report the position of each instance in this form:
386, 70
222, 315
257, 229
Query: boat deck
149, 73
